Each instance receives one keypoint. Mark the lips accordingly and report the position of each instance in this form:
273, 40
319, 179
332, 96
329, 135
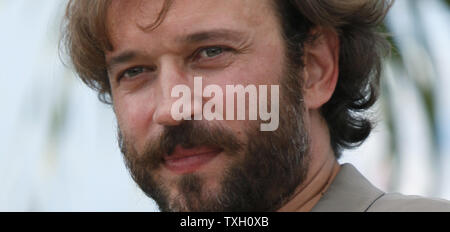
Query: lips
183, 160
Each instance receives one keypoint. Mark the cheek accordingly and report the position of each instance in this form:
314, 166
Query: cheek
269, 65
263, 68
134, 116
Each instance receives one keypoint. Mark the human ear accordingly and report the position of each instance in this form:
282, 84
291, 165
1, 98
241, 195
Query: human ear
321, 71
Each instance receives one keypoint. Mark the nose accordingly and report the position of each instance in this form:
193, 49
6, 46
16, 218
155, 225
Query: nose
163, 117
169, 76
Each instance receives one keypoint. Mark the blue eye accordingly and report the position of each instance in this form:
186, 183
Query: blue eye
211, 52
134, 72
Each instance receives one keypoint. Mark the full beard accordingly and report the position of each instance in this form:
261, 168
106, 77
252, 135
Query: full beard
264, 173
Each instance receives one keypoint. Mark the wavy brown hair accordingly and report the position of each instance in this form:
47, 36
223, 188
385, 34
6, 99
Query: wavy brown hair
355, 21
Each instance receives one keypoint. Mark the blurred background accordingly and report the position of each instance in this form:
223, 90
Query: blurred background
58, 149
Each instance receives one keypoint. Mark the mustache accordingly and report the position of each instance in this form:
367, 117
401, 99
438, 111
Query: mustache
188, 134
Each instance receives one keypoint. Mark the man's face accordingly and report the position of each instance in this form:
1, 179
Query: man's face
204, 165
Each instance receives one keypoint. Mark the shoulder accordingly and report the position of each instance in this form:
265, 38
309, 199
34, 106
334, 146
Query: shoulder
350, 191
395, 202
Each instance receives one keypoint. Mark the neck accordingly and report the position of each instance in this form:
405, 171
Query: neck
308, 194
323, 168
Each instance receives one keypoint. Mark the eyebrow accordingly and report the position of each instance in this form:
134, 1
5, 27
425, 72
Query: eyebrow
222, 34
198, 37
124, 57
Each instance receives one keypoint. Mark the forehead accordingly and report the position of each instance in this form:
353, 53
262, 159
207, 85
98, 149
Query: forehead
126, 18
